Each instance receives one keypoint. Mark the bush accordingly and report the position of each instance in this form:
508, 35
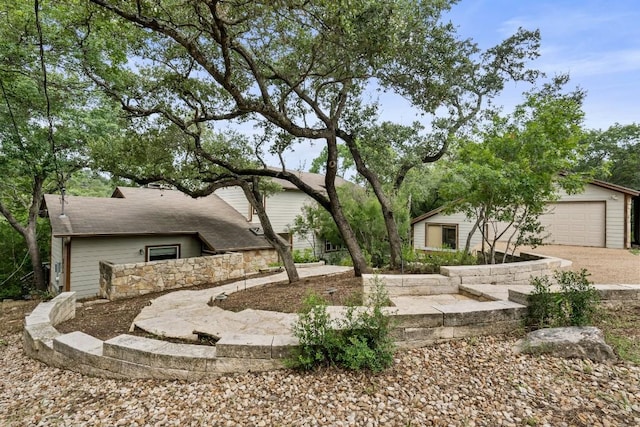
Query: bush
430, 262
11, 290
304, 255
361, 340
574, 304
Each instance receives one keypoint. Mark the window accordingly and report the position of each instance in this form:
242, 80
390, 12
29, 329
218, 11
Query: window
157, 253
441, 235
330, 247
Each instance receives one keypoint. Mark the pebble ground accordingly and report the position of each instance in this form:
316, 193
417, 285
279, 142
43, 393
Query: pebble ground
475, 382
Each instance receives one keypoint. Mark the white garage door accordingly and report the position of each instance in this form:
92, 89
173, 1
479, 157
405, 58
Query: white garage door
575, 223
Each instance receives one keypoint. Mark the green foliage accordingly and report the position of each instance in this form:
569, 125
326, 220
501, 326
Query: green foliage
361, 340
304, 255
574, 304
613, 154
430, 262
504, 180
362, 210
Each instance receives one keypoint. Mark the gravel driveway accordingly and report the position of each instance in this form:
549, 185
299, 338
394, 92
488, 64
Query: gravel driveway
607, 266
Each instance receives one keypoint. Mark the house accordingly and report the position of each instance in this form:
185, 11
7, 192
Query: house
283, 207
603, 215
142, 225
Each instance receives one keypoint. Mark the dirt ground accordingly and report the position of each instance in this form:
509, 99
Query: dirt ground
110, 319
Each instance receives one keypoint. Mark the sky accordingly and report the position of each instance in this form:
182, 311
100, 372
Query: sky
596, 42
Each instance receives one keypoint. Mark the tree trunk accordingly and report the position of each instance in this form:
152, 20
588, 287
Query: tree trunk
31, 238
395, 244
348, 236
29, 232
254, 196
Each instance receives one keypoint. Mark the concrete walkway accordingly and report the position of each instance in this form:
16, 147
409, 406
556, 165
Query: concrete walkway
180, 313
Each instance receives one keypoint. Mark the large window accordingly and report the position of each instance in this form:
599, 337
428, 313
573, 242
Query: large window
441, 235
157, 253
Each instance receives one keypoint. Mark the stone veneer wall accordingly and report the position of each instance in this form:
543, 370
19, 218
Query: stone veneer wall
119, 281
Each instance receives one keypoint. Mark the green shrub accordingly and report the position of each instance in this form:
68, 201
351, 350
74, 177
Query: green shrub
430, 262
574, 304
361, 340
304, 255
11, 290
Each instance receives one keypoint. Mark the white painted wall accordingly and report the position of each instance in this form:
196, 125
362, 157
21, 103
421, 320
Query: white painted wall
234, 196
87, 252
282, 208
464, 227
614, 222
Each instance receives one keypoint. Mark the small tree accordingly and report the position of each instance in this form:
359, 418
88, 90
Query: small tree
503, 181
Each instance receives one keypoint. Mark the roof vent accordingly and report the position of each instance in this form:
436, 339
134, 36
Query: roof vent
258, 231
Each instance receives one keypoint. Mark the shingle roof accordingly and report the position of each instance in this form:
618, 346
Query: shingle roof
145, 211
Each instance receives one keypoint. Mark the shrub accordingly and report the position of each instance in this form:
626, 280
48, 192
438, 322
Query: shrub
304, 255
574, 304
430, 262
360, 341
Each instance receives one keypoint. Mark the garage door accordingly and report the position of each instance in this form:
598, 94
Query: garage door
575, 223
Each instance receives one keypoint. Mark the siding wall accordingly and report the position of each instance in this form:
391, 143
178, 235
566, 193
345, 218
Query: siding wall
464, 227
86, 254
56, 259
615, 218
282, 208
234, 196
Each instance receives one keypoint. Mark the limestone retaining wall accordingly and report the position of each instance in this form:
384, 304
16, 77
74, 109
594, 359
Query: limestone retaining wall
451, 277
119, 281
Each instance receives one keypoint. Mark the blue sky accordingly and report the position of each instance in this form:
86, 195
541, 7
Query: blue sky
596, 42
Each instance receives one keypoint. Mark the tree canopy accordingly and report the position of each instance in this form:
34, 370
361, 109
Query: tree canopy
503, 180
298, 69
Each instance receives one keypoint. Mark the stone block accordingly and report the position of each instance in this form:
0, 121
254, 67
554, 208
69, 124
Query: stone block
230, 365
245, 346
585, 342
79, 348
475, 312
486, 328
36, 336
407, 319
428, 334
283, 346
618, 292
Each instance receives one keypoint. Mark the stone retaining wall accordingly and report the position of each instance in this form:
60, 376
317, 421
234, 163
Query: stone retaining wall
128, 356
119, 281
451, 277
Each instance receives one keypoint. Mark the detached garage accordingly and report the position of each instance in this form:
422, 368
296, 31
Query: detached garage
603, 215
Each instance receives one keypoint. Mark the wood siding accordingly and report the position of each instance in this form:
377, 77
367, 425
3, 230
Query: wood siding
56, 264
86, 253
464, 227
616, 223
282, 208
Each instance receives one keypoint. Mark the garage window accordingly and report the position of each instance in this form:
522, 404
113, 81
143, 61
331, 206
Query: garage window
441, 235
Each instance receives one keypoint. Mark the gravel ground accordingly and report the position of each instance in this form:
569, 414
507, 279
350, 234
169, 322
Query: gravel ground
606, 266
476, 382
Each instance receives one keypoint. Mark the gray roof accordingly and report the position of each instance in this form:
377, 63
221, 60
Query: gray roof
148, 211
